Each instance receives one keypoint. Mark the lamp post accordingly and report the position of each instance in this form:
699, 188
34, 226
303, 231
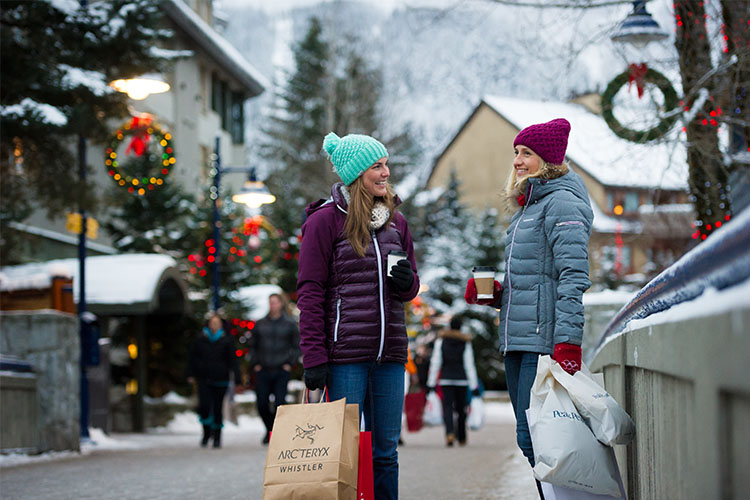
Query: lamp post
253, 194
136, 88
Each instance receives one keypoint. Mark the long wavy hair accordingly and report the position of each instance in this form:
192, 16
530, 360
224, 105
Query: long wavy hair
359, 214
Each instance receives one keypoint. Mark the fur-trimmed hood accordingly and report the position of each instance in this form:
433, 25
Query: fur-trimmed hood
548, 171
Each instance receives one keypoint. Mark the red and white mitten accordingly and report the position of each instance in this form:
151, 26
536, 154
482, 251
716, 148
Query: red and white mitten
569, 356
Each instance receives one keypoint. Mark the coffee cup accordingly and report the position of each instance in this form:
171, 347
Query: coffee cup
484, 280
393, 257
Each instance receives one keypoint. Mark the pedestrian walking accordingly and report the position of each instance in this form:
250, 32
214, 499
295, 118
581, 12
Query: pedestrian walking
211, 361
352, 321
452, 364
274, 349
546, 270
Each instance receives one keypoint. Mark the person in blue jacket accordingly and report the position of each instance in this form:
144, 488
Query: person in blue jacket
546, 268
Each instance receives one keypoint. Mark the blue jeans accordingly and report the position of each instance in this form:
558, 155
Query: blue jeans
520, 371
378, 389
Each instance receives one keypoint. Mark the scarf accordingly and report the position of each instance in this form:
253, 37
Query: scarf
213, 337
380, 212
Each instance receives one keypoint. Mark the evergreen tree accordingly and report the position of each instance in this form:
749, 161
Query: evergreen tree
56, 65
450, 250
161, 221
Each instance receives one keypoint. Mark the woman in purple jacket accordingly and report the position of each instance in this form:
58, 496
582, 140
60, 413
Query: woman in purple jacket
352, 325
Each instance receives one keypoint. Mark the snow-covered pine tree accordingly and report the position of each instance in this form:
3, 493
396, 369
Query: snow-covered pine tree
56, 65
450, 250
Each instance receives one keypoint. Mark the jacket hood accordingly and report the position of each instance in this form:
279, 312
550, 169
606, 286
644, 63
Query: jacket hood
455, 334
570, 181
338, 198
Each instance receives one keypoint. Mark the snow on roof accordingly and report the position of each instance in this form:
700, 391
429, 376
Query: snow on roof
224, 53
110, 279
596, 149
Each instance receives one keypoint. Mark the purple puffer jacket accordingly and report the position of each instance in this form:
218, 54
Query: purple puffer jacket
349, 310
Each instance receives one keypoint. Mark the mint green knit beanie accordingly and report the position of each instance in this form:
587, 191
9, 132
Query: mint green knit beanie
352, 154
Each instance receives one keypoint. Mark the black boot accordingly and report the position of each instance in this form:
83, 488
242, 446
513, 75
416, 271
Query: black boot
217, 438
539, 488
206, 435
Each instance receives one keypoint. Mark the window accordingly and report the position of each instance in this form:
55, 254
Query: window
238, 118
610, 202
229, 106
631, 202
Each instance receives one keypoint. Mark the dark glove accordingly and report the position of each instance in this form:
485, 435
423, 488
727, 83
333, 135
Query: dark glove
428, 390
317, 377
475, 392
470, 296
569, 356
402, 275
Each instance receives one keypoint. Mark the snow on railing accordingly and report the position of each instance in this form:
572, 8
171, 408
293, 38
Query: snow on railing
719, 262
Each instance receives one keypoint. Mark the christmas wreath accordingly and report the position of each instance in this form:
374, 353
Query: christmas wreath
142, 132
640, 74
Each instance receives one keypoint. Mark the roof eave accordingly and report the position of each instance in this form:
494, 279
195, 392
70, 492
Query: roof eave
252, 83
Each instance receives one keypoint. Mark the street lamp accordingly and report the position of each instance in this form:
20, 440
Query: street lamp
141, 87
253, 194
639, 28
136, 88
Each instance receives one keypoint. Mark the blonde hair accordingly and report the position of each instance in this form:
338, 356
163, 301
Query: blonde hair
359, 214
515, 186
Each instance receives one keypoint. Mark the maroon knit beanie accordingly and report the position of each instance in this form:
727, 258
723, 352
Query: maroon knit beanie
548, 140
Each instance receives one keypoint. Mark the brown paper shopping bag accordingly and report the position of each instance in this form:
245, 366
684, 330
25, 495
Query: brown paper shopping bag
313, 453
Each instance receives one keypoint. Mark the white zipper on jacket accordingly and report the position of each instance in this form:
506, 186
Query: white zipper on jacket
380, 295
510, 254
338, 319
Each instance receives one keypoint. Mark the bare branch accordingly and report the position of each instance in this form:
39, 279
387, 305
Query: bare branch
572, 4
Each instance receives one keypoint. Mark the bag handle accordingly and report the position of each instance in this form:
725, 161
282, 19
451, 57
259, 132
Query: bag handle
324, 397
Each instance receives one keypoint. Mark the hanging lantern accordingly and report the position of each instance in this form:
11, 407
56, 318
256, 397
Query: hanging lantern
639, 28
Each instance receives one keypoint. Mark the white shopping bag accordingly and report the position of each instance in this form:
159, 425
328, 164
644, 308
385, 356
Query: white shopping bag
609, 422
433, 410
566, 453
476, 414
554, 492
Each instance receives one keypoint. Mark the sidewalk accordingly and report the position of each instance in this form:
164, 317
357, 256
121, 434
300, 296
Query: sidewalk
170, 465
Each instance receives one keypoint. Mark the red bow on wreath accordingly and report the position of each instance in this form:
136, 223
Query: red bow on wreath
637, 75
140, 138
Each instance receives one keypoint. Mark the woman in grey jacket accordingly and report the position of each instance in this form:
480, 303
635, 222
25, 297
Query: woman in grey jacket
546, 251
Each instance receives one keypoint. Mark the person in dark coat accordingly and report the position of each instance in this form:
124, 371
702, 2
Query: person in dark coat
212, 360
547, 265
453, 364
274, 349
352, 319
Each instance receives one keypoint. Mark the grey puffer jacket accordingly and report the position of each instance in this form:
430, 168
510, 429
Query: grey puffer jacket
349, 310
547, 266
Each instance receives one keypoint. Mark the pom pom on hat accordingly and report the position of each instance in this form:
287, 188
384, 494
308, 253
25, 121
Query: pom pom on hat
549, 140
352, 154
330, 143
